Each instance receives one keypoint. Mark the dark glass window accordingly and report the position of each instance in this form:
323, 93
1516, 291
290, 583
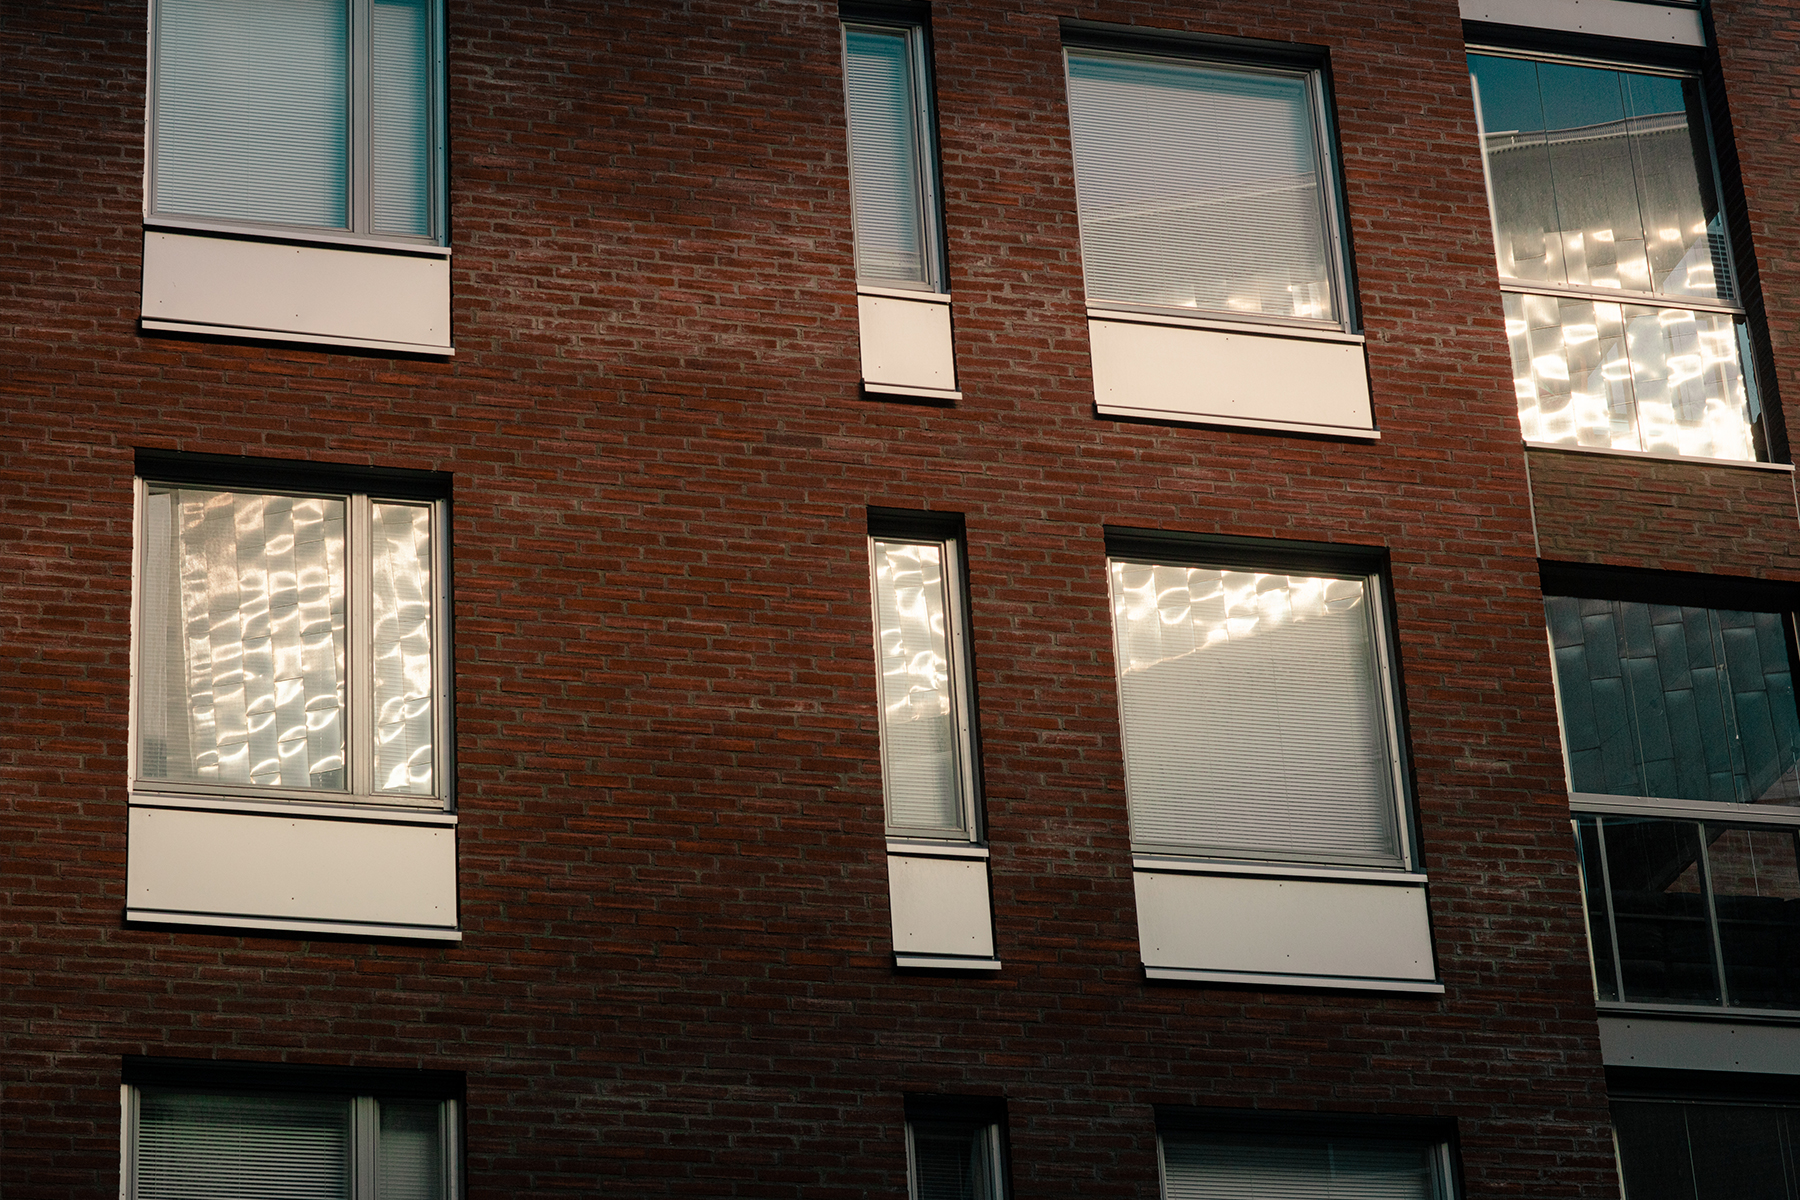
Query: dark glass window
1707, 1151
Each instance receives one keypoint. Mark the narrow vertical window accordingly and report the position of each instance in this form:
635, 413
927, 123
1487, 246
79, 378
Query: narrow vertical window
955, 1149
926, 743
893, 161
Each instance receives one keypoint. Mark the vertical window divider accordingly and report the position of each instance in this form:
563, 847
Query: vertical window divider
1389, 686
1612, 924
365, 1137
359, 650
360, 151
1712, 913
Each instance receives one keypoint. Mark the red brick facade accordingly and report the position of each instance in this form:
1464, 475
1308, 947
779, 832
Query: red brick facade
675, 977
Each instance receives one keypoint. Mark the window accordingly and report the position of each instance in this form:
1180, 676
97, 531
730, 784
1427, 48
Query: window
927, 743
893, 160
1206, 187
242, 1131
306, 114
955, 1149
1712, 1149
1682, 740
291, 699
1257, 711
1201, 1165
1622, 308
290, 643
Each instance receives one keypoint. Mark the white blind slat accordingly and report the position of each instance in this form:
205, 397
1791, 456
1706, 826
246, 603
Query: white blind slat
922, 775
1199, 187
251, 110
230, 1147
400, 102
1284, 1169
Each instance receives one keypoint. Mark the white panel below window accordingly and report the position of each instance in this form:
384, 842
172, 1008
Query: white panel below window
906, 344
1214, 376
294, 872
329, 295
1700, 1045
1263, 929
1604, 18
941, 911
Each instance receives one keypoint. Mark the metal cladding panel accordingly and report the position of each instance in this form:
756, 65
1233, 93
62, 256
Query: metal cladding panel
1172, 371
1602, 18
251, 287
906, 342
940, 906
298, 868
1274, 926
1699, 1045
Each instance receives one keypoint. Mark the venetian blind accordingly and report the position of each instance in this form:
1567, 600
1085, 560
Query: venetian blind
886, 186
1295, 1169
251, 103
232, 1147
400, 111
1199, 187
918, 730
1253, 718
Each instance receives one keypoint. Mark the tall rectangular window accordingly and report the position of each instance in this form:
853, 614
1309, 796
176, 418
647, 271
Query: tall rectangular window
927, 737
1258, 713
305, 114
1622, 309
290, 643
955, 1148
893, 156
1206, 187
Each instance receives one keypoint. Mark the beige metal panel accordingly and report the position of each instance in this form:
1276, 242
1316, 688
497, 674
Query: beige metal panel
1607, 18
906, 342
1267, 926
1699, 1045
940, 906
1159, 371
335, 293
268, 868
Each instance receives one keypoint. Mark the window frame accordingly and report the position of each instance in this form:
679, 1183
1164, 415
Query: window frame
359, 152
923, 114
1252, 57
1655, 60
364, 1090
946, 533
980, 1116
1437, 1139
1321, 560
360, 489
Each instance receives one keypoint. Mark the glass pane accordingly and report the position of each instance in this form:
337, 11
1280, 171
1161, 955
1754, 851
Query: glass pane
1706, 1151
1659, 910
1199, 187
250, 110
1676, 703
1668, 380
953, 1161
1600, 178
1599, 912
1253, 717
403, 648
410, 1156
1756, 894
1251, 1168
227, 1147
885, 157
241, 657
918, 723
400, 99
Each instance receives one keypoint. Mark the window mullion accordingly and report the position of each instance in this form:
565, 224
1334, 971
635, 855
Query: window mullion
359, 647
1712, 916
365, 1118
1612, 926
361, 123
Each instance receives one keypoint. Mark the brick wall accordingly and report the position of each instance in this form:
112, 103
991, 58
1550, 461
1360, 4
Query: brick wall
675, 974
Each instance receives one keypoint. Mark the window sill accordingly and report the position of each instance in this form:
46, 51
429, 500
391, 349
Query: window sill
1356, 983
1698, 1012
1180, 865
297, 235
1747, 464
345, 811
926, 962
1690, 810
907, 347
930, 849
1309, 333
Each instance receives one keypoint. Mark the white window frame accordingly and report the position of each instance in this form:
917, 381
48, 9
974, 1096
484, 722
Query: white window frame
961, 689
365, 1125
1734, 308
1405, 857
923, 117
359, 670
359, 205
1333, 222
